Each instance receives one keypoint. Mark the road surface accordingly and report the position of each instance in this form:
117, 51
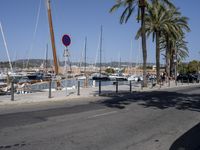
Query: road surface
157, 120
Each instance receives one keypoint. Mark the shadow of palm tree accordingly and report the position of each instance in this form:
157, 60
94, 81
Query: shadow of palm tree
156, 99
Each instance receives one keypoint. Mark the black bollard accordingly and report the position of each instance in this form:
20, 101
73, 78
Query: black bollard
130, 86
142, 85
50, 88
116, 86
188, 81
168, 82
78, 93
99, 87
12, 91
160, 84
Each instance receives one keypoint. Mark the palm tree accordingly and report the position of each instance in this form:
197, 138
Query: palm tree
175, 38
130, 6
157, 23
172, 38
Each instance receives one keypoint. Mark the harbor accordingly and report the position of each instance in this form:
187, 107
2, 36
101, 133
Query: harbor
99, 75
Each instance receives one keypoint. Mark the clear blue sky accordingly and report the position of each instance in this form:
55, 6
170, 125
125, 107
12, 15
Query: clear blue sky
80, 18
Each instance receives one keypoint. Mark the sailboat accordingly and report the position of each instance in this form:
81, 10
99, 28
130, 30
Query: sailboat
100, 75
83, 76
135, 77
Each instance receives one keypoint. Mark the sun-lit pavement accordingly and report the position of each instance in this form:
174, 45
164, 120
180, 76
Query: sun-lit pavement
155, 120
61, 95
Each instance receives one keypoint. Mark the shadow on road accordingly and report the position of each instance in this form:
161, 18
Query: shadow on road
157, 99
189, 140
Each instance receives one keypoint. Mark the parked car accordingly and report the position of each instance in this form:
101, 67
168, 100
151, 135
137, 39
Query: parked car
191, 78
197, 76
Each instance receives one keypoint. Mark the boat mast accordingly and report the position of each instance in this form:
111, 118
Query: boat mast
46, 59
85, 48
100, 49
52, 37
85, 55
6, 47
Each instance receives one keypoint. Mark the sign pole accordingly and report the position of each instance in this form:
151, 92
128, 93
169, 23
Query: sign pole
66, 42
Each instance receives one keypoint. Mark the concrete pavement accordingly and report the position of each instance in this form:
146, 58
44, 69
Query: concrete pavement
156, 120
84, 93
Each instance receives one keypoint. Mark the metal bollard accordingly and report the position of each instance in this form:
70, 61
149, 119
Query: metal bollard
142, 85
152, 83
182, 81
188, 81
130, 86
168, 81
50, 81
78, 93
12, 91
99, 87
160, 84
116, 86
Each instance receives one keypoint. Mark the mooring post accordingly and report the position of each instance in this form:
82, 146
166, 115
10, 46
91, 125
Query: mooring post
50, 81
78, 93
99, 87
116, 86
12, 91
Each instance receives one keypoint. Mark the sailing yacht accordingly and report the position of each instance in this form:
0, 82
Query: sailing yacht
82, 76
135, 77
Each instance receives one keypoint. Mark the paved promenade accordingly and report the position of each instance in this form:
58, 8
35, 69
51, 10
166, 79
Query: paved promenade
162, 119
72, 94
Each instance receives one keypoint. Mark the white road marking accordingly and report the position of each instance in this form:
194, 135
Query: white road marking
103, 114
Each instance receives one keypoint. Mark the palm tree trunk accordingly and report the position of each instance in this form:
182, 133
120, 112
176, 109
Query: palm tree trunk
144, 49
171, 61
157, 56
167, 59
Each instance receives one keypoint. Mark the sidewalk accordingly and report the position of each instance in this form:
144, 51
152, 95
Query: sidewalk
84, 93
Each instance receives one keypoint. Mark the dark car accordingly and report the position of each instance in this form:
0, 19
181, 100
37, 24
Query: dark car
197, 76
191, 78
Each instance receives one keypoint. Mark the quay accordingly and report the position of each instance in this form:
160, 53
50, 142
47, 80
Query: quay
72, 94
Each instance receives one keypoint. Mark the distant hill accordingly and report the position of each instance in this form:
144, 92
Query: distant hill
22, 63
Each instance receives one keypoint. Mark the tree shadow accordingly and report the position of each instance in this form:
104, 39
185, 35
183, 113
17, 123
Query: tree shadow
156, 99
189, 140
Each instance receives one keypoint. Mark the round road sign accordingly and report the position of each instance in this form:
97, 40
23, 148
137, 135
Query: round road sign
66, 40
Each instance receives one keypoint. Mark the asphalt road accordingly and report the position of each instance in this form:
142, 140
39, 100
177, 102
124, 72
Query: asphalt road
158, 120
